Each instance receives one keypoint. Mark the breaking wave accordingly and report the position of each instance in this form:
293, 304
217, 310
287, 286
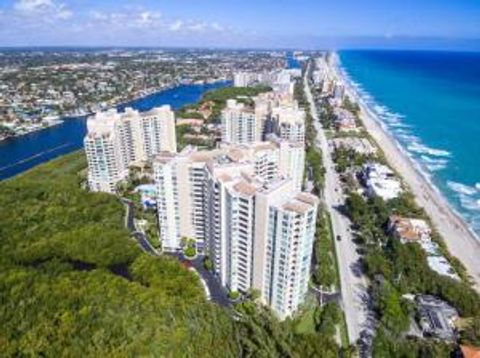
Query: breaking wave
464, 189
428, 160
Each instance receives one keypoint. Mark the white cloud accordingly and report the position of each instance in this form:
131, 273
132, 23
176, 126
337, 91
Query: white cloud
176, 25
42, 22
149, 17
197, 26
29, 6
150, 20
217, 27
96, 15
50, 8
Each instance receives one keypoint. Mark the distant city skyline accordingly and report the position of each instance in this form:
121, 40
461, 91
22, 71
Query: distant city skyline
427, 24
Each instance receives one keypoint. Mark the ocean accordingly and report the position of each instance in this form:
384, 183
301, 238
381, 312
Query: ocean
430, 103
22, 153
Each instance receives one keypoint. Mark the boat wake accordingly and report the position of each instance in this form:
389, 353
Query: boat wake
35, 156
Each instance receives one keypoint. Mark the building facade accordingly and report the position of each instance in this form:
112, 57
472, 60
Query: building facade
289, 122
239, 124
116, 140
244, 208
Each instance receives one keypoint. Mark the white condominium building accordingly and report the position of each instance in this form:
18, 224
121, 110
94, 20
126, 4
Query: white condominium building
291, 160
262, 237
115, 140
290, 122
181, 180
272, 112
107, 164
245, 79
288, 226
231, 200
239, 124
280, 81
381, 181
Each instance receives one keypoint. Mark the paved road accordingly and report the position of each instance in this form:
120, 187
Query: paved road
218, 294
129, 215
326, 296
144, 243
355, 298
130, 225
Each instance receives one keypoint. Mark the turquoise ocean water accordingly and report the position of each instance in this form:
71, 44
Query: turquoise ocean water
430, 102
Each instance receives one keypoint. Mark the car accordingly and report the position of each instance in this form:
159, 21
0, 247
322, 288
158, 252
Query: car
339, 238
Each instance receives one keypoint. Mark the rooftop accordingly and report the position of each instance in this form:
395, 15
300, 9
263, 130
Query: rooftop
408, 229
359, 145
245, 188
436, 317
470, 351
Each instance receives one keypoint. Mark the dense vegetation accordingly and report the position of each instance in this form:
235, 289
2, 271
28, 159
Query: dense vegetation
261, 336
325, 274
404, 269
223, 94
347, 157
73, 283
186, 130
315, 164
327, 117
351, 106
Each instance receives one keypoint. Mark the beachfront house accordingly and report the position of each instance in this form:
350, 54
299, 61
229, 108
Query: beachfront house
409, 230
436, 317
380, 181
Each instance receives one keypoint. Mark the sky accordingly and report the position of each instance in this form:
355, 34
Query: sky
333, 24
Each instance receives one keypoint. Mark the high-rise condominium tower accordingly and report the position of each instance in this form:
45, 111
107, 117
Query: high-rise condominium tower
115, 140
289, 122
245, 208
239, 124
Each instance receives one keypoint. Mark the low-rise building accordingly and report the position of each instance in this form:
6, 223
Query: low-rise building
467, 351
408, 229
440, 265
436, 317
344, 119
359, 145
194, 122
381, 181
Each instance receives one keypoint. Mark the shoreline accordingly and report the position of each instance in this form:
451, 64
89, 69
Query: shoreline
69, 116
72, 115
33, 130
461, 241
71, 130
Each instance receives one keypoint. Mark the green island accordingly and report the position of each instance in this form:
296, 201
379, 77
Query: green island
74, 283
